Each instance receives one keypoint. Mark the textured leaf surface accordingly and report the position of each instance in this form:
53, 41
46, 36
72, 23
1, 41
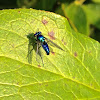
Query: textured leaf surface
67, 75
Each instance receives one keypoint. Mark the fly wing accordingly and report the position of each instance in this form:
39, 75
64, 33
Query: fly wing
39, 55
34, 47
30, 53
48, 40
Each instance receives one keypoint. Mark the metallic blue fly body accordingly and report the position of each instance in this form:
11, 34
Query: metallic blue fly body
40, 40
44, 44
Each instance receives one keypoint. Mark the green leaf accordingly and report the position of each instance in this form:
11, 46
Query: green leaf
67, 75
77, 15
96, 1
93, 14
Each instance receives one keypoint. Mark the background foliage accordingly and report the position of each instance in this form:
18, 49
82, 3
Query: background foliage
83, 15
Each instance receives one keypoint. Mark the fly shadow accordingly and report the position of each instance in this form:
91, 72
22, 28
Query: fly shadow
33, 45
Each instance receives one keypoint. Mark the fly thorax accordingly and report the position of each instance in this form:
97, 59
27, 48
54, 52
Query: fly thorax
41, 38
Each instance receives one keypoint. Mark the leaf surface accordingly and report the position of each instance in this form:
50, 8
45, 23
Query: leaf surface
67, 75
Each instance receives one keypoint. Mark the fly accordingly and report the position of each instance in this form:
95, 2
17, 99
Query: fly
40, 40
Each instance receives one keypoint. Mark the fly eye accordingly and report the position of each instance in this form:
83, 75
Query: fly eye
39, 32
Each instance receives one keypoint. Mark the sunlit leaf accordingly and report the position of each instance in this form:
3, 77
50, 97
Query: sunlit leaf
69, 74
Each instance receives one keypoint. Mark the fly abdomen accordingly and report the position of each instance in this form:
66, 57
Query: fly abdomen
46, 48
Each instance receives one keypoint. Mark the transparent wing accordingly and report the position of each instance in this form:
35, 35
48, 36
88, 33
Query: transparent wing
35, 46
39, 55
30, 53
48, 40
